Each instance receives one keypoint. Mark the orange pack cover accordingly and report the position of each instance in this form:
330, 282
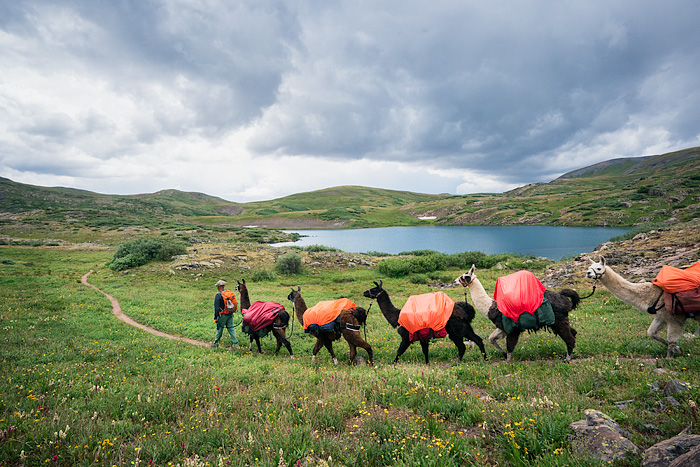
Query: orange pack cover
428, 310
326, 311
677, 280
518, 293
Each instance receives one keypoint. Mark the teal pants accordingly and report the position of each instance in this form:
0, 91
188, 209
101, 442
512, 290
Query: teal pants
226, 321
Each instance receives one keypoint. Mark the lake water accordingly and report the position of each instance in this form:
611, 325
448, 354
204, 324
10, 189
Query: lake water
547, 241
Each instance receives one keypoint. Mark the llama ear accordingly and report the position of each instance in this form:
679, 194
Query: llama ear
376, 283
298, 288
472, 269
602, 260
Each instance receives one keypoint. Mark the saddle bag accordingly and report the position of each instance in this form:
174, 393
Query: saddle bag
685, 302
318, 329
543, 316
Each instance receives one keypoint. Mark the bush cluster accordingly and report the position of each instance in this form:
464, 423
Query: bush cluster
430, 261
140, 251
289, 263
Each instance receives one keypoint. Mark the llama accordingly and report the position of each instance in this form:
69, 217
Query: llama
278, 327
562, 303
458, 326
645, 297
350, 321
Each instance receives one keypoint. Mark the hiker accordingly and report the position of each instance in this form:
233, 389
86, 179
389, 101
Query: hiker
224, 308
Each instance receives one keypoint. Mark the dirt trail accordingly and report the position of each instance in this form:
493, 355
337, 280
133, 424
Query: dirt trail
117, 310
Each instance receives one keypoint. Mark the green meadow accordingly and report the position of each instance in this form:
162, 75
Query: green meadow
80, 387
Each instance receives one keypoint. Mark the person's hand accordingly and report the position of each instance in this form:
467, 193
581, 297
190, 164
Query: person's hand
216, 321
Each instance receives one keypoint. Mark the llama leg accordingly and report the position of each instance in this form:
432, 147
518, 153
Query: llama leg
474, 337
567, 334
317, 347
675, 331
281, 337
424, 346
257, 341
495, 336
511, 342
355, 340
459, 343
405, 343
353, 353
328, 343
250, 347
656, 326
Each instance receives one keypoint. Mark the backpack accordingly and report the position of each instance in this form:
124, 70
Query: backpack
230, 303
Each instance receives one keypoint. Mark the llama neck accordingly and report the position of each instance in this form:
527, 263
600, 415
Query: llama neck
245, 299
482, 301
390, 312
299, 308
640, 295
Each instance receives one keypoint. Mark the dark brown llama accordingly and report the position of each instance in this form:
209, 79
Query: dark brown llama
458, 326
350, 321
278, 327
562, 303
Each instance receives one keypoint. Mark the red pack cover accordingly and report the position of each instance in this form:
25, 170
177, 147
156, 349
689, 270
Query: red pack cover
518, 293
261, 314
674, 280
326, 311
428, 310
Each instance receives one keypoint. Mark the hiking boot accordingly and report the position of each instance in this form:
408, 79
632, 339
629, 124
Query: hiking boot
213, 345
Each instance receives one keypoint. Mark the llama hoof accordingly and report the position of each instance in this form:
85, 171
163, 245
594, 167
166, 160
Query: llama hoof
335, 361
508, 358
674, 351
569, 357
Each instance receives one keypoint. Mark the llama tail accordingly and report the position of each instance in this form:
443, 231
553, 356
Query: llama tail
360, 314
571, 295
467, 309
283, 317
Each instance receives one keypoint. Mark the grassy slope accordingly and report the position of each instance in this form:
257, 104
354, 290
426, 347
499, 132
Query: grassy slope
620, 193
128, 397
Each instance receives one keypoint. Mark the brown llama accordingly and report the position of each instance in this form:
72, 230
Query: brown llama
562, 303
645, 297
278, 327
458, 326
350, 321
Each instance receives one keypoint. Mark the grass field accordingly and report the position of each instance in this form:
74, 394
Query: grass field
80, 387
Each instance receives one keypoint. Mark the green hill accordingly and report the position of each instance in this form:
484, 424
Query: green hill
620, 192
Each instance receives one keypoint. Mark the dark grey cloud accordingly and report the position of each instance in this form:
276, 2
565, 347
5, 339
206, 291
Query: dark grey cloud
507, 93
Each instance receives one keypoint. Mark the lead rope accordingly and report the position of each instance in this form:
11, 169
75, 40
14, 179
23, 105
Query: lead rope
595, 282
367, 317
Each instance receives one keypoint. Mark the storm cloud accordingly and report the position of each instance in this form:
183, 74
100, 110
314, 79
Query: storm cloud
443, 96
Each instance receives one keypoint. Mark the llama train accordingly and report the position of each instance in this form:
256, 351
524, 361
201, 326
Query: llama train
645, 297
458, 326
562, 303
278, 326
350, 321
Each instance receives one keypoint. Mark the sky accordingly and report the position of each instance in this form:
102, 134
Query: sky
258, 99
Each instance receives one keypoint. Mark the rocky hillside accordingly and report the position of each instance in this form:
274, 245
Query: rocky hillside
637, 259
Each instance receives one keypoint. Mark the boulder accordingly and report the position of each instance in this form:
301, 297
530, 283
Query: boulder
691, 457
663, 453
600, 437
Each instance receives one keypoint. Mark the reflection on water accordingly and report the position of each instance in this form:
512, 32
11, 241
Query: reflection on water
547, 241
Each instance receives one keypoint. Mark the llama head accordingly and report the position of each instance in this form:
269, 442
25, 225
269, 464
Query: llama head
374, 291
596, 270
241, 286
294, 294
467, 278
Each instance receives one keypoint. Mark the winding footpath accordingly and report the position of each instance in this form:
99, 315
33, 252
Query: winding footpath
117, 310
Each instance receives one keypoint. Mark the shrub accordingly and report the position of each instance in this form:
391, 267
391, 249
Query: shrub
289, 263
263, 275
140, 251
418, 279
317, 248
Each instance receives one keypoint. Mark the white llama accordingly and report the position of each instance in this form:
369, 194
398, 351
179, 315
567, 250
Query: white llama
643, 296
